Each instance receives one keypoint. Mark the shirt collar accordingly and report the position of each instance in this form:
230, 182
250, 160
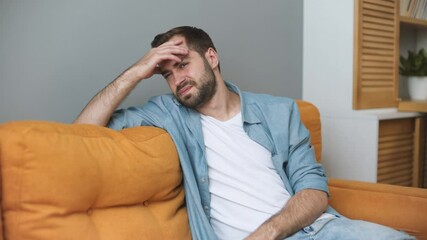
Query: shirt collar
246, 105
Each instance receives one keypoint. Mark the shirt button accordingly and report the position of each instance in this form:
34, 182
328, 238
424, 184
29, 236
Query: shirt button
203, 179
206, 208
308, 229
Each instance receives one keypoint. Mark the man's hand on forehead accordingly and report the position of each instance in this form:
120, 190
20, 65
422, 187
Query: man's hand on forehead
177, 50
174, 51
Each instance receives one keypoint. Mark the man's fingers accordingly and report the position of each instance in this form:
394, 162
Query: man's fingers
173, 46
168, 53
177, 50
175, 42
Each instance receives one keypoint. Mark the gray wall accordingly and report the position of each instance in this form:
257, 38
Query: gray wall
56, 54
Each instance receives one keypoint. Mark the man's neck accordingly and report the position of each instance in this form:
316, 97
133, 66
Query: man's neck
224, 105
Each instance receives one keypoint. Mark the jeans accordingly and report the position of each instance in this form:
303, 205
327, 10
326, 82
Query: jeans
341, 228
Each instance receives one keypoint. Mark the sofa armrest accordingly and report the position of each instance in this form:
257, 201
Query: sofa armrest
402, 208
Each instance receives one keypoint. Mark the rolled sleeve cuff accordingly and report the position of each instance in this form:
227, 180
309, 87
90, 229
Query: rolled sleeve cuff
313, 182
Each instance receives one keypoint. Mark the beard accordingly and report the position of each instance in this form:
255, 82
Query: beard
206, 89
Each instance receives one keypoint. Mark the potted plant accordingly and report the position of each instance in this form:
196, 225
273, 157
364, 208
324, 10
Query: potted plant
415, 68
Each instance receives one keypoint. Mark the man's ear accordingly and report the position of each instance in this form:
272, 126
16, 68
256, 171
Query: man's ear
212, 57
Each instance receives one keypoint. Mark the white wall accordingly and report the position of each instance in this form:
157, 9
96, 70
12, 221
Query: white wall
349, 137
55, 55
328, 53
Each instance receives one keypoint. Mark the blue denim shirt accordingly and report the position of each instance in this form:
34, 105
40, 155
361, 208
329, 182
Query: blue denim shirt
273, 122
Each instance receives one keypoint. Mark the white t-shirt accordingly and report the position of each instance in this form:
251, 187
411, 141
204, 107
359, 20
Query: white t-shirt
245, 187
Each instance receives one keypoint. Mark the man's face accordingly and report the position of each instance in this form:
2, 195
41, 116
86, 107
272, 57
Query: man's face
192, 80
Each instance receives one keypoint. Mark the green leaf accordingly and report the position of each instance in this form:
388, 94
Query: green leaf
415, 64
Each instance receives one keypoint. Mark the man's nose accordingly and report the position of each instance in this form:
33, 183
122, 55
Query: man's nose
179, 77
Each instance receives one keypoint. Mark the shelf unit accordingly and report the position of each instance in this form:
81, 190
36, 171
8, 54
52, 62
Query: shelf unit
417, 29
413, 21
381, 35
412, 106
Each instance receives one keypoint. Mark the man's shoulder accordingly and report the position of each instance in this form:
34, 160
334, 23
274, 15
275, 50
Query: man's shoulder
167, 101
262, 98
156, 105
162, 98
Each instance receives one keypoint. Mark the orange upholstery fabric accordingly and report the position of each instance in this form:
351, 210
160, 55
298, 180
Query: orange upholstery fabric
62, 181
402, 208
310, 117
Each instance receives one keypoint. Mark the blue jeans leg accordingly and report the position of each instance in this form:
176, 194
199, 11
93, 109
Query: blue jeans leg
342, 228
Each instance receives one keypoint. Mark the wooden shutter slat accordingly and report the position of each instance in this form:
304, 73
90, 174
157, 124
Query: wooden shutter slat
376, 58
369, 32
367, 51
378, 39
374, 6
388, 4
374, 26
368, 12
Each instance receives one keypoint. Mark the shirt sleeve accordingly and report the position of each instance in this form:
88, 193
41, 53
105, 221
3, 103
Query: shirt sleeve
302, 168
151, 114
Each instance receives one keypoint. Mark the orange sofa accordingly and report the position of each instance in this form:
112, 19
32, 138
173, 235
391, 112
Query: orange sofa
63, 181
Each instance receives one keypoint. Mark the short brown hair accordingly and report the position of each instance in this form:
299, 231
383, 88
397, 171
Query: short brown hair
196, 39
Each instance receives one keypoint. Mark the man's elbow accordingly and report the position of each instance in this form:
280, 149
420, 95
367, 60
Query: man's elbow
324, 200
321, 198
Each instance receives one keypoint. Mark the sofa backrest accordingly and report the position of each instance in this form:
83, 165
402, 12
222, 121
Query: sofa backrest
63, 181
310, 116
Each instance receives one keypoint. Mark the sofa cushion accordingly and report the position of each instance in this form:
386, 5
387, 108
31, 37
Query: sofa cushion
63, 181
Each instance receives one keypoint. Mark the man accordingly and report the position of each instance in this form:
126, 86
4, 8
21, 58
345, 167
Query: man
249, 169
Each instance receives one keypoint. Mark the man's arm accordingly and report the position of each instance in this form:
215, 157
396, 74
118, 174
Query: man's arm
307, 180
100, 108
300, 211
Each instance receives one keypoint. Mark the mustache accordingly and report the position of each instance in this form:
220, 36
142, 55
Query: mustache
184, 84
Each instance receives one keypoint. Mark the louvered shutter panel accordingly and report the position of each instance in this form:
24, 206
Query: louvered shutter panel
424, 163
396, 152
376, 54
420, 136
